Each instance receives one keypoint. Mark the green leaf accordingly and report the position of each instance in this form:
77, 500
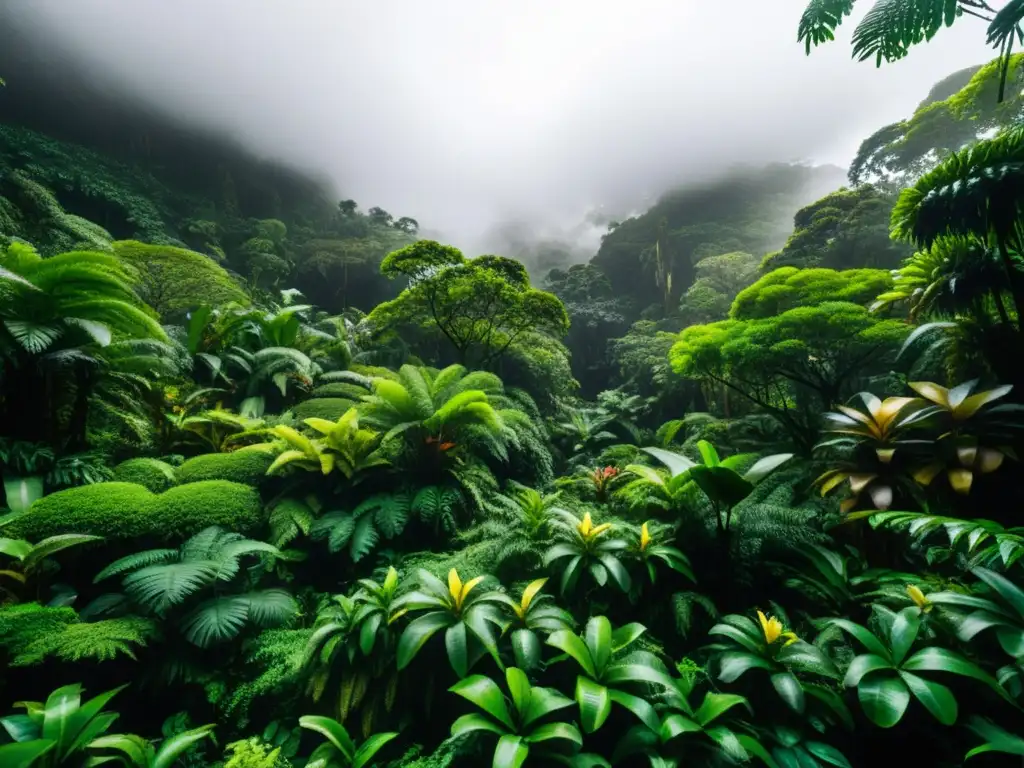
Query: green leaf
863, 665
332, 730
752, 644
511, 752
732, 664
764, 467
717, 704
24, 754
570, 643
519, 688
677, 463
789, 688
419, 631
598, 637
173, 747
884, 699
639, 707
804, 657
937, 698
526, 648
904, 631
543, 701
935, 659
369, 748
1005, 588
827, 754
595, 703
457, 643
626, 635
637, 673
486, 694
477, 722
865, 636
617, 570
556, 731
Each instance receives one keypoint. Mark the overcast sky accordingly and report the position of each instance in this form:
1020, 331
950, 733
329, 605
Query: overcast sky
466, 113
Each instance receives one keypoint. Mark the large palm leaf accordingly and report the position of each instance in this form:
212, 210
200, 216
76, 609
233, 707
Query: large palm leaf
892, 27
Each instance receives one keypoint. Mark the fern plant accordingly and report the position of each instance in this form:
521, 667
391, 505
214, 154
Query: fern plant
168, 583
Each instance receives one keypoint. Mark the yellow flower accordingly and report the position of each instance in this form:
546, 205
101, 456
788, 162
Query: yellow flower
773, 630
645, 537
919, 598
588, 530
459, 591
528, 594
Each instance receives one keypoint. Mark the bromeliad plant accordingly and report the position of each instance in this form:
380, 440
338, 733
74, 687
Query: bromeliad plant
886, 676
340, 751
343, 446
468, 616
535, 612
585, 548
686, 729
605, 670
960, 438
769, 646
520, 720
64, 731
650, 550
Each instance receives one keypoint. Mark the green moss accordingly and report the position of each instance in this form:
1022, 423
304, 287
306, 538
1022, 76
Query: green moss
126, 510
154, 474
248, 467
114, 510
330, 408
187, 509
20, 625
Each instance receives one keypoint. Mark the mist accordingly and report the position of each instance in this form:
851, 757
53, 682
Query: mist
478, 117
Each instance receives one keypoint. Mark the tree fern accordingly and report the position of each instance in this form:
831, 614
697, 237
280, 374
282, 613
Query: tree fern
364, 537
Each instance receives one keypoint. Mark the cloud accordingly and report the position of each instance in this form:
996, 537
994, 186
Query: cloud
468, 113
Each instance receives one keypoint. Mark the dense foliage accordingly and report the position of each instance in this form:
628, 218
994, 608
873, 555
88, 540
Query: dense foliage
248, 527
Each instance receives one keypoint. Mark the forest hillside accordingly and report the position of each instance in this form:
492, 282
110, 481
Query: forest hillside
289, 484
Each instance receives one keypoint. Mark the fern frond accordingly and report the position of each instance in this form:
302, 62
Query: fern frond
136, 561
159, 587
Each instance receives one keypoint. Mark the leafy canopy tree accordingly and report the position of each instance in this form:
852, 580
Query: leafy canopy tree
789, 288
846, 229
175, 280
719, 279
896, 155
794, 364
481, 307
892, 27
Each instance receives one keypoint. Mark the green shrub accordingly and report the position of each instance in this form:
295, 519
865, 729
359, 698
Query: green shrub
330, 408
154, 474
113, 510
341, 389
127, 510
187, 509
248, 467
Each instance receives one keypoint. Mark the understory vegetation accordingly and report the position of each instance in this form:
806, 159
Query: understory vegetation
307, 490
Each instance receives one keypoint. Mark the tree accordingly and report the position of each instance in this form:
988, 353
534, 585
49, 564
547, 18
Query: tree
897, 155
407, 224
719, 279
174, 280
347, 207
892, 27
846, 229
481, 307
795, 364
789, 288
380, 216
